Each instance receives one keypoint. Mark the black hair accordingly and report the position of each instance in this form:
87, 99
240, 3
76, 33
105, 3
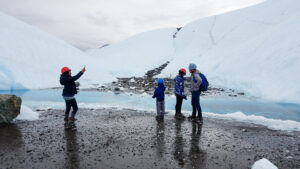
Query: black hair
181, 73
66, 73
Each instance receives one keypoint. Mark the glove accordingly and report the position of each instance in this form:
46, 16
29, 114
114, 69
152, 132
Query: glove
184, 97
153, 97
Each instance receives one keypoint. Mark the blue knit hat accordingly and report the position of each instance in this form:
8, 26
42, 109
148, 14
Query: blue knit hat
160, 81
192, 66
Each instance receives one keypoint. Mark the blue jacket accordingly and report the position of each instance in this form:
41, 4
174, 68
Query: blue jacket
159, 92
179, 86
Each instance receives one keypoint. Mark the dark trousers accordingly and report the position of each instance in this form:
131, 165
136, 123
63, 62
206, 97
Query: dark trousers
71, 103
178, 104
196, 104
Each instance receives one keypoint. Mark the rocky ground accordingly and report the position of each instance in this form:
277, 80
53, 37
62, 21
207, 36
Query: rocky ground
140, 85
110, 138
148, 83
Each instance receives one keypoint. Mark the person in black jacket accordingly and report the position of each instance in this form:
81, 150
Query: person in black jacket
69, 91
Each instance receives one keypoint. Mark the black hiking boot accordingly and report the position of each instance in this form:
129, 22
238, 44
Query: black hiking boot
66, 119
199, 120
72, 119
159, 118
192, 118
70, 124
179, 116
182, 116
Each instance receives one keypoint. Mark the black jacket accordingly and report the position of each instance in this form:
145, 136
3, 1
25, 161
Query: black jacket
69, 83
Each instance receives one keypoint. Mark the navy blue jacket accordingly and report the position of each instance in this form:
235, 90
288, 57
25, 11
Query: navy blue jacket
159, 92
69, 83
179, 86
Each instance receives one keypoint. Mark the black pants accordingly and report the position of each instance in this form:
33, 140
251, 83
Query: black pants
178, 104
71, 103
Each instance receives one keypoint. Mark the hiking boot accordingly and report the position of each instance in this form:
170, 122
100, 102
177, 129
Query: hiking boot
179, 116
182, 116
72, 119
199, 120
191, 118
66, 119
159, 118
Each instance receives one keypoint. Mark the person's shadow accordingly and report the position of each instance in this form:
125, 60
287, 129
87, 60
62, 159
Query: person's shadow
160, 136
197, 156
72, 149
178, 145
11, 137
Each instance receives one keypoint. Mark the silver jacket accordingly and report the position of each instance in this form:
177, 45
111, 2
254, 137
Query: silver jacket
195, 80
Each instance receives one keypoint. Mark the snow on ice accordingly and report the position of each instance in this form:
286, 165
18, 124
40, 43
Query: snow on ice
275, 124
27, 114
263, 164
32, 59
138, 54
253, 49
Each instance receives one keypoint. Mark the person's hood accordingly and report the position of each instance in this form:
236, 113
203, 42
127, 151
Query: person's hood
63, 77
161, 85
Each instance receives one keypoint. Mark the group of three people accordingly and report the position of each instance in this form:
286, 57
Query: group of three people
70, 89
195, 83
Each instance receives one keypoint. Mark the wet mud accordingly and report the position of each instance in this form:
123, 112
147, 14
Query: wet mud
111, 138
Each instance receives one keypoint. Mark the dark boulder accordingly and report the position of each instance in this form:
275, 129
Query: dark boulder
10, 106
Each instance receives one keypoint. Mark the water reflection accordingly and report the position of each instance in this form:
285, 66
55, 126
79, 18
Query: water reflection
160, 136
196, 156
179, 144
72, 149
52, 98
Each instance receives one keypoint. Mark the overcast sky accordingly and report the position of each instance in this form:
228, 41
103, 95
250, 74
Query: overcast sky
91, 23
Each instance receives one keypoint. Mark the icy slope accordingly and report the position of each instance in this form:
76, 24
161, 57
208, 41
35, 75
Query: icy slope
32, 59
255, 49
138, 54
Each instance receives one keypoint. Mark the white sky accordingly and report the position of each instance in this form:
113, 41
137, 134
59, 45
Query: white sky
91, 23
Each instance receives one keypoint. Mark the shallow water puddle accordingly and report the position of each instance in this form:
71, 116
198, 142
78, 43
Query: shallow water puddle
219, 107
